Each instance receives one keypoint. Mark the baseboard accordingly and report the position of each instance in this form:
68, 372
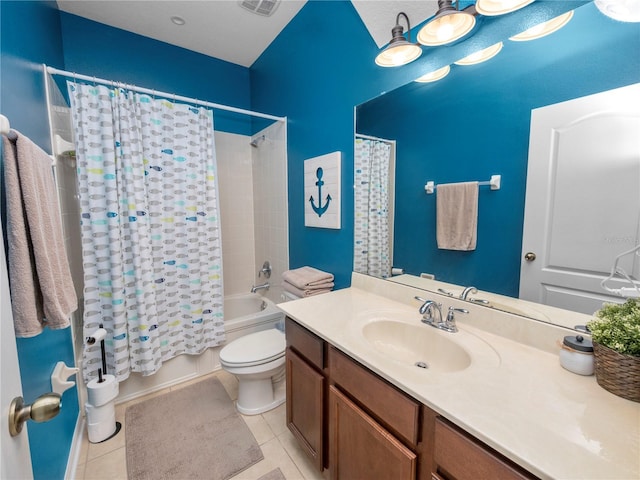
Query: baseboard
76, 448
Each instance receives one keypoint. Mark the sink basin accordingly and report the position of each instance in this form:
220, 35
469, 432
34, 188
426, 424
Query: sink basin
419, 345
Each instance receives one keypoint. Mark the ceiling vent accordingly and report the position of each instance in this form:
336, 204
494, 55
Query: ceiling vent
260, 7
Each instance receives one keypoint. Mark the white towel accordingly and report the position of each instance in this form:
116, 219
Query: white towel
304, 277
457, 216
42, 292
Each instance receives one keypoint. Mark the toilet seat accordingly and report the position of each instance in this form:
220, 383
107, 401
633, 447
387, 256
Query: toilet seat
254, 349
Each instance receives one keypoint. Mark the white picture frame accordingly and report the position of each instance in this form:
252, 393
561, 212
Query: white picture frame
322, 197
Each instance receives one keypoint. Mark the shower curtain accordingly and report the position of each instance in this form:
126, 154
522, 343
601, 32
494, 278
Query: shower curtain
371, 198
151, 243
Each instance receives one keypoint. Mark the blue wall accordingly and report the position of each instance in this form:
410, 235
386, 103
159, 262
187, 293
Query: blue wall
475, 123
322, 80
34, 33
314, 72
31, 36
99, 50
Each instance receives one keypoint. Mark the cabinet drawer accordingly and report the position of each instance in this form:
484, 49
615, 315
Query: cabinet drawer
307, 344
461, 457
395, 410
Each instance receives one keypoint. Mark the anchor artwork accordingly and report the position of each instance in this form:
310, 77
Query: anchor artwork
322, 191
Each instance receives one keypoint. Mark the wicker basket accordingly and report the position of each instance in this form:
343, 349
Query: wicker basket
617, 373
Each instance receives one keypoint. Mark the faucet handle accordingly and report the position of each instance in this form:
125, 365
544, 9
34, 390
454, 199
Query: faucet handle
452, 310
445, 292
266, 270
460, 310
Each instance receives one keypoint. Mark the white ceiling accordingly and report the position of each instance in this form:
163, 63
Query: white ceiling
223, 29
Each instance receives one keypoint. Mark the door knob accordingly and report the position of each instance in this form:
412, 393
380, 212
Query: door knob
43, 409
529, 256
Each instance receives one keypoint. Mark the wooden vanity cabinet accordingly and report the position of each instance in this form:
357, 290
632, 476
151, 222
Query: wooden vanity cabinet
306, 391
359, 426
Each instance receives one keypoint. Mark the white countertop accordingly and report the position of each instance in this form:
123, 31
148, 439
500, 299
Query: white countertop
514, 396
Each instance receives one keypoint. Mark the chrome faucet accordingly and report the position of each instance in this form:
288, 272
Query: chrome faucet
264, 286
431, 312
465, 293
265, 270
432, 315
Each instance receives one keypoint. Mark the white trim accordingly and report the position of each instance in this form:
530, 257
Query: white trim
76, 448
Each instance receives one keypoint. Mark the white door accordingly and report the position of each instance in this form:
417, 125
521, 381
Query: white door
15, 459
583, 199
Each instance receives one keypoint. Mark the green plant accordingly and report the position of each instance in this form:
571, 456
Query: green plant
617, 326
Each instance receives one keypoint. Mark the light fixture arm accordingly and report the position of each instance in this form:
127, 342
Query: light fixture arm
408, 25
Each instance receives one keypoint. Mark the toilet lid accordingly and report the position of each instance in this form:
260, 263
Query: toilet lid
255, 348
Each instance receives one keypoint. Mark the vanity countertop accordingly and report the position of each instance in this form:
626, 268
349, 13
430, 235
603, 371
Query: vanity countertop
521, 402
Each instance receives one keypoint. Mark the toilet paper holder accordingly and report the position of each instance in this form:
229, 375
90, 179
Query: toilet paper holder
59, 378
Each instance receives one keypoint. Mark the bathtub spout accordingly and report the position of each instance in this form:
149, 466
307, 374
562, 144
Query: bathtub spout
264, 286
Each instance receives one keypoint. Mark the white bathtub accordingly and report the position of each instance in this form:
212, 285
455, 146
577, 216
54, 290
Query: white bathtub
243, 313
248, 313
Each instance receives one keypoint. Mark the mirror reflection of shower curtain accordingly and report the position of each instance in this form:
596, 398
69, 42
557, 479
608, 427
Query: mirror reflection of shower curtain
151, 243
371, 253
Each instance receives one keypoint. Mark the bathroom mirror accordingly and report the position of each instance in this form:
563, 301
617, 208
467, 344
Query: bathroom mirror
475, 123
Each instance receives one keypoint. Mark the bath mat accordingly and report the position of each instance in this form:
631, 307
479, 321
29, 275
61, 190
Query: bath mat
191, 433
275, 474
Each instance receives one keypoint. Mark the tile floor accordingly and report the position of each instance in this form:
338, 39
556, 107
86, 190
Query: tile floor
107, 460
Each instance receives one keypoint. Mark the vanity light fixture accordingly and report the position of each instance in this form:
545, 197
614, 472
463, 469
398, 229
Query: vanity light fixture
500, 7
400, 51
435, 75
448, 24
544, 28
481, 55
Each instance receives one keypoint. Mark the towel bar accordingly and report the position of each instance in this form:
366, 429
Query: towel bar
494, 183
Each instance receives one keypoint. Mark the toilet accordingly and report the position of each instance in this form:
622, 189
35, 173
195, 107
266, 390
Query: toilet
258, 362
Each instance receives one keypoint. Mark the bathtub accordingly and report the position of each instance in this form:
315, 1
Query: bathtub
249, 312
243, 314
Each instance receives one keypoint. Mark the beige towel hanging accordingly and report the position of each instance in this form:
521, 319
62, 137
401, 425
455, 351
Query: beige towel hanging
457, 216
42, 292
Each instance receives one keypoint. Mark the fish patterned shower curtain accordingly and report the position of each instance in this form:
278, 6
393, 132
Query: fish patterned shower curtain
151, 243
371, 253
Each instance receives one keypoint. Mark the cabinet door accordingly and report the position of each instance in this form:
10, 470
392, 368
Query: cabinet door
461, 457
361, 448
305, 410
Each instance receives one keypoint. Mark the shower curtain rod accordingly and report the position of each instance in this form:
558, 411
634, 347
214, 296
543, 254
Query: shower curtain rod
369, 137
77, 76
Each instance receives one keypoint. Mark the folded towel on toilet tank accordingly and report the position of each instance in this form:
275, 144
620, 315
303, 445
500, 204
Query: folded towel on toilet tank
307, 277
